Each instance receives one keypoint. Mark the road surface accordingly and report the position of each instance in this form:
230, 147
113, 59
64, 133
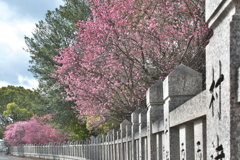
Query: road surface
6, 157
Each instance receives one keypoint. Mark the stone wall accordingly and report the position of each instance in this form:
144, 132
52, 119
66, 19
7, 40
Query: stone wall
181, 121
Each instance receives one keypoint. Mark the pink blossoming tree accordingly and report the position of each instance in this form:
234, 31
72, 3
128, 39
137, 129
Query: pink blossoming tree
32, 132
123, 48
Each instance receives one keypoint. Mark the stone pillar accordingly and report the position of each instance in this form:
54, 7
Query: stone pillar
81, 148
145, 148
87, 148
200, 139
112, 145
114, 136
99, 147
143, 123
137, 149
155, 102
118, 151
159, 146
128, 139
96, 148
108, 146
93, 148
135, 129
222, 63
186, 142
123, 135
104, 157
178, 87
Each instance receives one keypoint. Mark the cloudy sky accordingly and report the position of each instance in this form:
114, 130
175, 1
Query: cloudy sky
17, 19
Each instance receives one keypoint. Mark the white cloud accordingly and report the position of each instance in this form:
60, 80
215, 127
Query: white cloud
3, 84
17, 20
6, 12
27, 82
12, 34
13, 28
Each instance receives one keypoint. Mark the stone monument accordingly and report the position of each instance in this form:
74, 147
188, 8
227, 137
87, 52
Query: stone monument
222, 82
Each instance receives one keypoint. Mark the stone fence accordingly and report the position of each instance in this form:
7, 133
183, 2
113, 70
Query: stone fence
181, 121
174, 122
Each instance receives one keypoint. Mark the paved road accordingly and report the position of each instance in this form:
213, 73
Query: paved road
5, 157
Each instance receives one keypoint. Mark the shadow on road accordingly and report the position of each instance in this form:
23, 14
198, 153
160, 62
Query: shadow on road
4, 156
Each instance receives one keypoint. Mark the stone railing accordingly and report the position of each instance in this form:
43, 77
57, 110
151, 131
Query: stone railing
174, 122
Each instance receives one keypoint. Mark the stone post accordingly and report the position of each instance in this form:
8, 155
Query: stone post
186, 142
81, 148
128, 139
143, 123
155, 102
95, 151
145, 148
89, 148
114, 136
135, 129
222, 63
85, 147
112, 145
200, 139
159, 146
98, 150
92, 150
118, 151
123, 134
178, 87
104, 147
109, 145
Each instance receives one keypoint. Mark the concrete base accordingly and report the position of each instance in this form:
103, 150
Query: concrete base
44, 156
